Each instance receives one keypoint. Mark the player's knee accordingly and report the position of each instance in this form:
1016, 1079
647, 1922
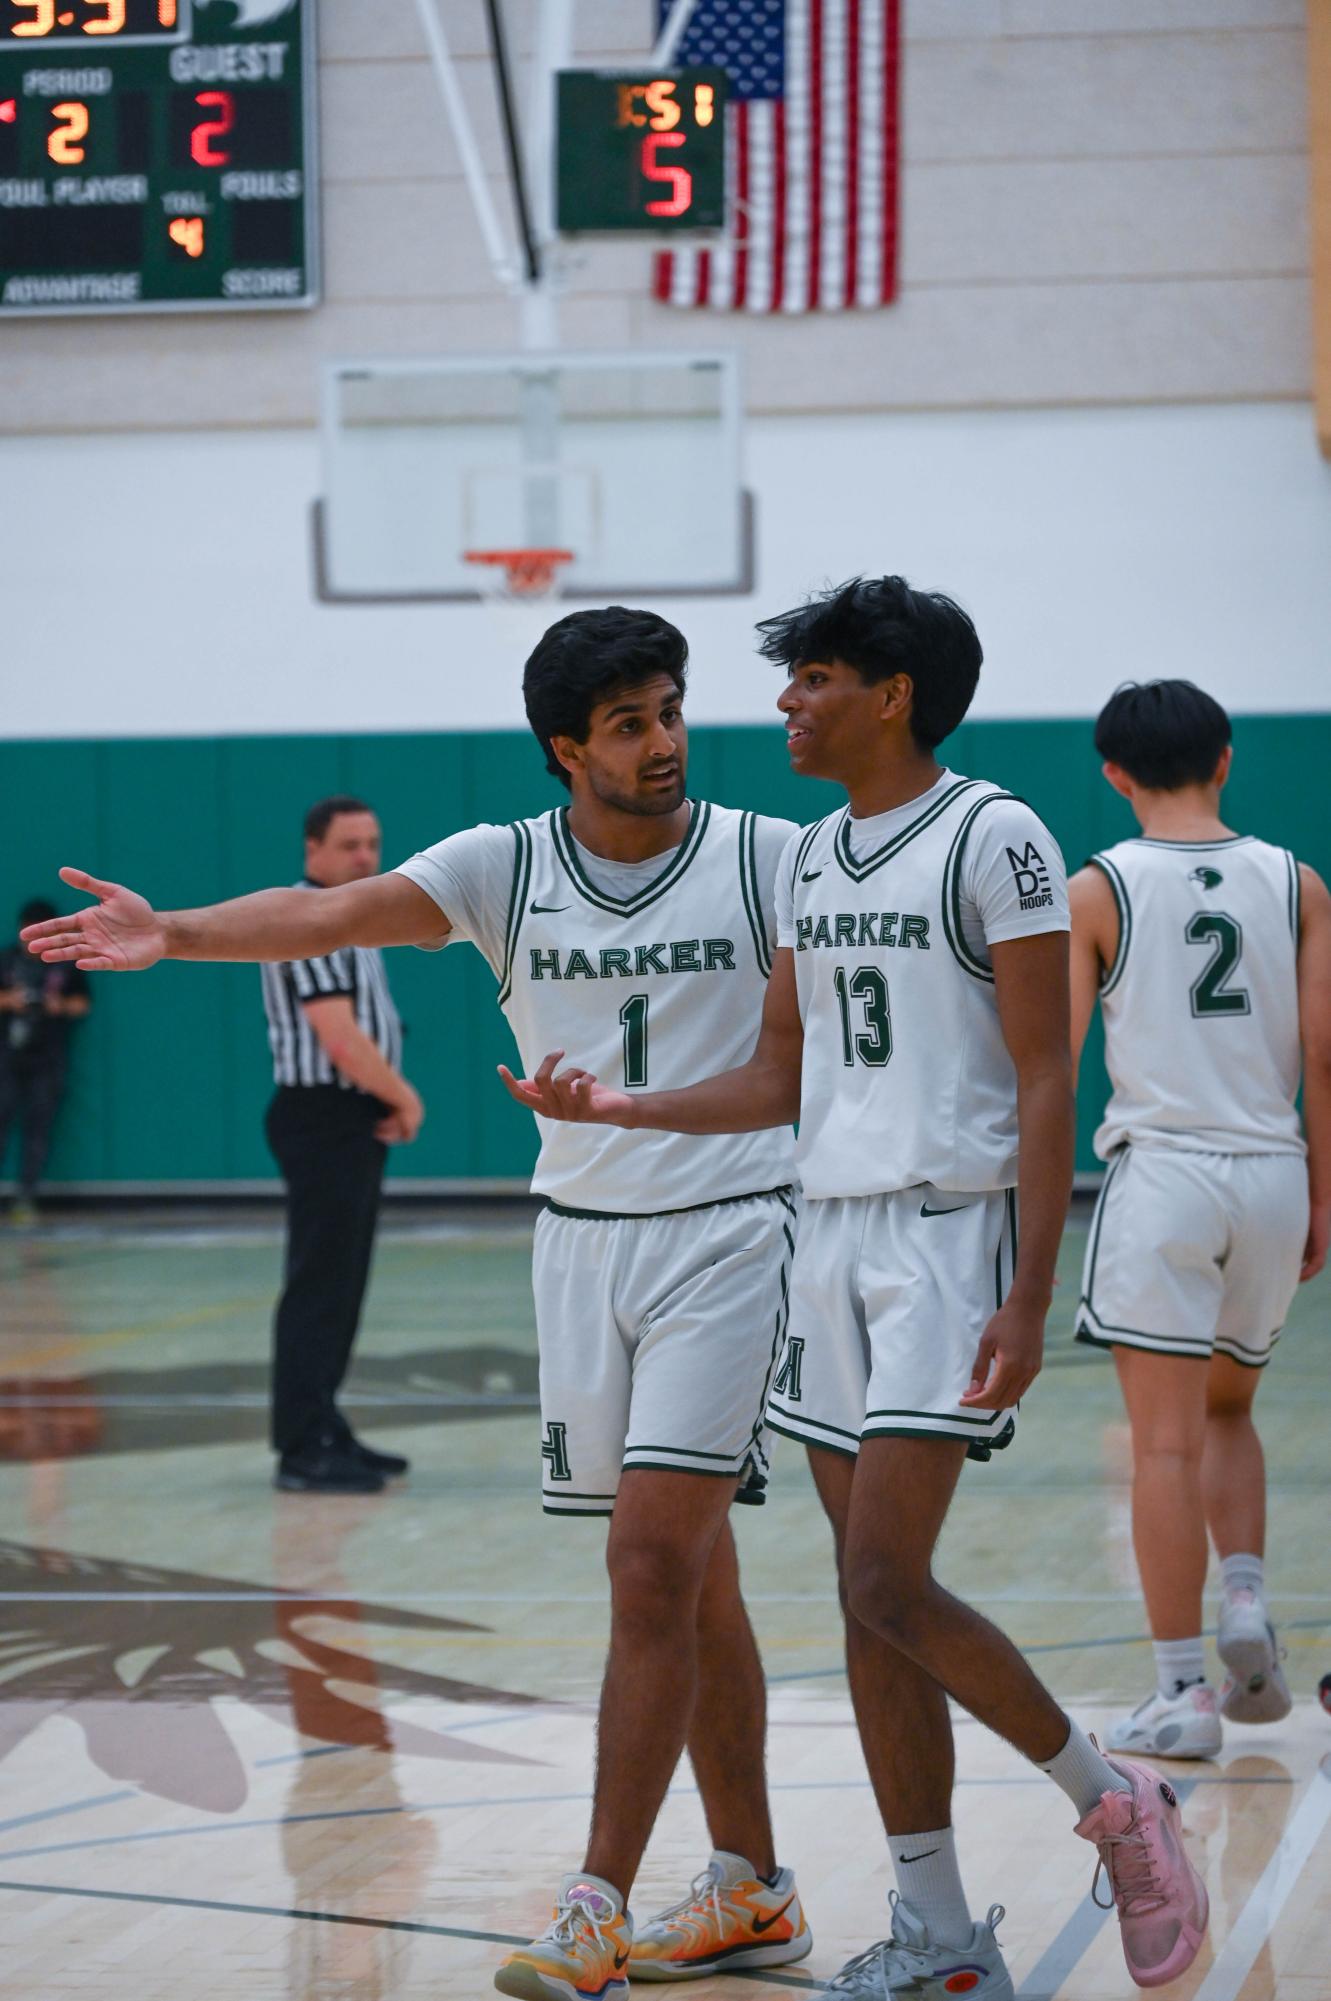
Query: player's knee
1170, 1451
882, 1594
653, 1580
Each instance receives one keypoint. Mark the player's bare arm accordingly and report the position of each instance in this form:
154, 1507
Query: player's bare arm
1094, 948
1315, 1034
122, 933
353, 1054
1031, 987
763, 1092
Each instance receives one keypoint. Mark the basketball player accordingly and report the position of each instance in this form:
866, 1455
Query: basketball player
1211, 955
914, 1025
634, 927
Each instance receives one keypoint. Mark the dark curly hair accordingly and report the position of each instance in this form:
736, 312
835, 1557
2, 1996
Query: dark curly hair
881, 627
588, 656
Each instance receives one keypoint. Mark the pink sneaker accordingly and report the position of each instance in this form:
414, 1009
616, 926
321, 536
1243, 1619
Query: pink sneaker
1162, 1901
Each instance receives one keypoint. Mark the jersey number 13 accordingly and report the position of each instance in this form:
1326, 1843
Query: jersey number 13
866, 1016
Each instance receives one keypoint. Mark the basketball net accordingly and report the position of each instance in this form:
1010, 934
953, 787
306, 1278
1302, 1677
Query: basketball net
519, 588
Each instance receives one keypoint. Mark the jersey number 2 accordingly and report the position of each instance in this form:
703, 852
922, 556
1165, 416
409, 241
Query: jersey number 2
1224, 934
871, 1044
633, 1014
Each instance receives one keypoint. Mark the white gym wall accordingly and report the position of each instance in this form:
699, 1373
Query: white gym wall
1088, 415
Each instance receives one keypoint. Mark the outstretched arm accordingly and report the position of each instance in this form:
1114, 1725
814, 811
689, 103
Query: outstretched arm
1315, 1031
122, 933
763, 1092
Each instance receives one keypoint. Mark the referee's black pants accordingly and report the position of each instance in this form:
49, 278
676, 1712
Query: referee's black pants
323, 1140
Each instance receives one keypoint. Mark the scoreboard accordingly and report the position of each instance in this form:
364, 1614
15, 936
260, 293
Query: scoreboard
157, 155
641, 151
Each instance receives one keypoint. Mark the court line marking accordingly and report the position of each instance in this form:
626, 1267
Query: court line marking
287, 1595
1067, 1647
346, 1918
91, 1399
74, 1806
1034, 1778
1256, 1921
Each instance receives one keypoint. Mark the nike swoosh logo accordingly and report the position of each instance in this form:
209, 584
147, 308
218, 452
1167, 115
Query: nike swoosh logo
811, 876
765, 1924
621, 1959
547, 909
925, 1210
924, 1853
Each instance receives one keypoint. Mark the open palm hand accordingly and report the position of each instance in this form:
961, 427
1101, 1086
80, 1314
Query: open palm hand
120, 933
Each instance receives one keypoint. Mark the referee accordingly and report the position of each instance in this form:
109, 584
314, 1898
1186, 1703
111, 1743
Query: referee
341, 1101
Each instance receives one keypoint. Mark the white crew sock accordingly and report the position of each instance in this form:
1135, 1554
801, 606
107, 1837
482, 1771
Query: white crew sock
1178, 1663
930, 1882
1084, 1775
1243, 1573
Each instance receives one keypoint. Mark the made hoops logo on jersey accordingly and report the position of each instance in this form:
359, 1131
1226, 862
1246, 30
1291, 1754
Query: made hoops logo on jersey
1031, 877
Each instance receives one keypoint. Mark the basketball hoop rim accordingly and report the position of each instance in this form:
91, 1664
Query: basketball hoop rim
526, 573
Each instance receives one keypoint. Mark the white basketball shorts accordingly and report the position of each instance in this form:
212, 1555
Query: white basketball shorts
1194, 1253
890, 1297
658, 1340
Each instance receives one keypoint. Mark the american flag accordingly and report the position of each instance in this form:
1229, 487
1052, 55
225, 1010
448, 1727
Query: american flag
811, 139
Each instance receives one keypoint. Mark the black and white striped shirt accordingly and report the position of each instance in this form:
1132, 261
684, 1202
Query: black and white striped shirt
357, 971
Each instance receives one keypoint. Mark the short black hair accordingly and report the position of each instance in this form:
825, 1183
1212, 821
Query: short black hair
37, 910
1165, 734
323, 813
881, 627
588, 656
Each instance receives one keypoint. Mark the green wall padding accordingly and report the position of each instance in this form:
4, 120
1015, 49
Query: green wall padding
171, 1073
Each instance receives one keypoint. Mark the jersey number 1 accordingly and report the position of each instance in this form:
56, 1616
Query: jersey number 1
871, 1044
633, 1014
1224, 934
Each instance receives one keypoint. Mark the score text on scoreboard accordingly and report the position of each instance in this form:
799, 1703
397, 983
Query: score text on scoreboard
638, 150
157, 155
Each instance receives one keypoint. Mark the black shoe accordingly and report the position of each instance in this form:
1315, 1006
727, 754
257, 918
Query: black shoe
390, 1464
326, 1468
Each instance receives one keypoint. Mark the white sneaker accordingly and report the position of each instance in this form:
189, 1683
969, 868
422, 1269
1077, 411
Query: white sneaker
1255, 1689
1186, 1725
910, 1963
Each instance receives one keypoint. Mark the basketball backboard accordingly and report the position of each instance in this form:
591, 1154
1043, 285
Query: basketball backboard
631, 461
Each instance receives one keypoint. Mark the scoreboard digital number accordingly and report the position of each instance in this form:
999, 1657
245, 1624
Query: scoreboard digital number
157, 155
641, 151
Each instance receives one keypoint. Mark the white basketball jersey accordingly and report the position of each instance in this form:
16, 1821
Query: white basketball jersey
1201, 1004
648, 992
906, 1077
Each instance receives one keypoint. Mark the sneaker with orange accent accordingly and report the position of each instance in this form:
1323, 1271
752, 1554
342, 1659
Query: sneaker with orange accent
582, 1955
729, 1919
1162, 1903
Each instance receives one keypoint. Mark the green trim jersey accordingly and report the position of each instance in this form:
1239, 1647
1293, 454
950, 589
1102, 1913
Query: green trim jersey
906, 1075
1201, 1004
649, 975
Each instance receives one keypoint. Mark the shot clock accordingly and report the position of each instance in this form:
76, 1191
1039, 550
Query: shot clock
641, 150
156, 155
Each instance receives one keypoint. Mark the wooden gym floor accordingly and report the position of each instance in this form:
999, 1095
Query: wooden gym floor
263, 1745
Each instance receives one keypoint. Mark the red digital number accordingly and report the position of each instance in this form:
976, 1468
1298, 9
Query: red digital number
202, 150
678, 179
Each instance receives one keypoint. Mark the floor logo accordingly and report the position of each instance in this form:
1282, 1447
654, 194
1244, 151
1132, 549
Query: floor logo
148, 1662
1031, 876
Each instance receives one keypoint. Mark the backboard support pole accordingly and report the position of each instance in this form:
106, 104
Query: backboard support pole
498, 248
672, 34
